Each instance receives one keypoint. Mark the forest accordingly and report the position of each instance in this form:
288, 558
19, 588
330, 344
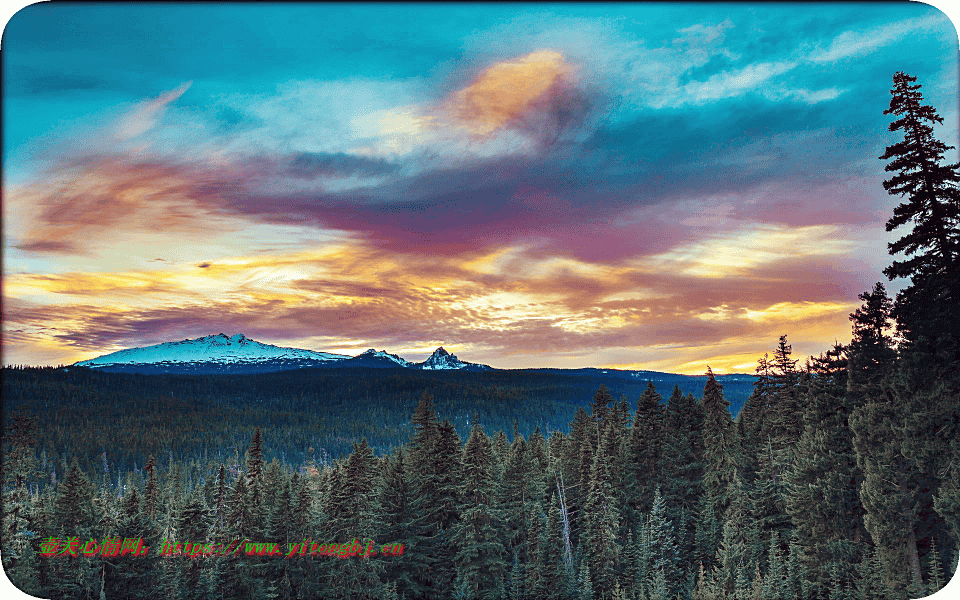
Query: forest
838, 479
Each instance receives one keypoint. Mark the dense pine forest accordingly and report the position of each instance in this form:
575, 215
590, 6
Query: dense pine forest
839, 478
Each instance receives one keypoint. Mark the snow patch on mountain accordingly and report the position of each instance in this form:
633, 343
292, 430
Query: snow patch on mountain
374, 353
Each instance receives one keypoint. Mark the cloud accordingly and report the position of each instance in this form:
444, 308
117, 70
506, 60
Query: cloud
311, 165
735, 83
535, 94
148, 113
860, 42
516, 300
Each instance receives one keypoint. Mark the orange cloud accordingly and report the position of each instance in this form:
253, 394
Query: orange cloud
509, 91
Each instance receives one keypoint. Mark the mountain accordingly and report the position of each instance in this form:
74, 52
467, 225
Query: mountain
373, 359
210, 354
441, 360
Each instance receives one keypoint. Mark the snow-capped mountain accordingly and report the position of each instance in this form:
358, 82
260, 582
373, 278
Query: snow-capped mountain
211, 353
441, 360
376, 359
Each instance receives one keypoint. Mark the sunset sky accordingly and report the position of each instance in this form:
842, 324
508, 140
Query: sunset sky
660, 187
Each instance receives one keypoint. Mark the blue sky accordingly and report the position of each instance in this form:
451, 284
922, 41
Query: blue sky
656, 186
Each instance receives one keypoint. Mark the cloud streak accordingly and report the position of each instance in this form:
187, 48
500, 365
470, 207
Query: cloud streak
148, 113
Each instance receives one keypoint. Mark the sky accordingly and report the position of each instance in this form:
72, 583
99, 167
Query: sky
644, 186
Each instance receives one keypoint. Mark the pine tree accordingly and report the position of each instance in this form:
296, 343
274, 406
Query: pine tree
512, 494
896, 487
363, 520
193, 530
551, 563
871, 352
708, 530
930, 307
664, 556
586, 584
928, 310
396, 504
438, 467
890, 485
477, 537
600, 406
601, 532
935, 579
254, 467
151, 492
718, 443
644, 454
73, 519
576, 463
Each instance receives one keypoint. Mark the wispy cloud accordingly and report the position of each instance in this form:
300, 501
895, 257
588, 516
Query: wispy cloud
147, 114
859, 42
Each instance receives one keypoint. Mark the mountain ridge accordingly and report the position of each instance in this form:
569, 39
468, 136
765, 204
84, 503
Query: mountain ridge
239, 354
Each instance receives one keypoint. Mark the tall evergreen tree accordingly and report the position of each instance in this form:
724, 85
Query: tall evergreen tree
601, 529
927, 311
665, 561
477, 537
718, 443
396, 503
436, 499
644, 453
600, 406
871, 352
151, 492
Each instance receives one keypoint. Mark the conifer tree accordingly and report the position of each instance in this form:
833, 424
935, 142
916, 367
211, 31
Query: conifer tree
930, 307
193, 530
476, 536
396, 504
928, 310
682, 471
254, 468
871, 352
896, 487
708, 531
601, 529
501, 448
362, 518
512, 494
600, 406
665, 562
151, 492
786, 415
73, 519
577, 462
644, 453
586, 583
718, 443
438, 471
551, 563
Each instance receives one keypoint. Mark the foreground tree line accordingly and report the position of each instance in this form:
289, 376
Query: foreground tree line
838, 480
